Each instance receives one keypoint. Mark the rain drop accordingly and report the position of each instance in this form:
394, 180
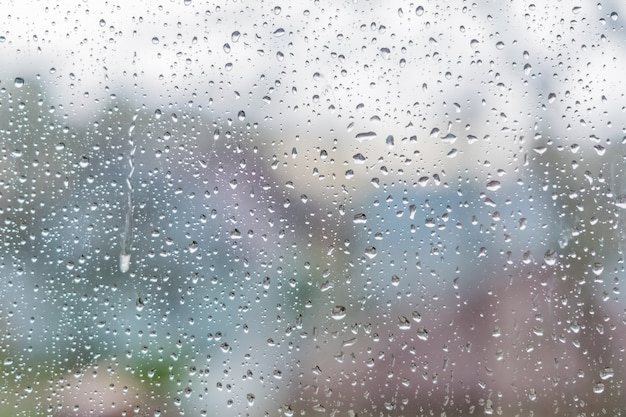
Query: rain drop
338, 312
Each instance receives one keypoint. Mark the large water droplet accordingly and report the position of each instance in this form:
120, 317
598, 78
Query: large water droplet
360, 218
607, 373
363, 136
338, 312
598, 387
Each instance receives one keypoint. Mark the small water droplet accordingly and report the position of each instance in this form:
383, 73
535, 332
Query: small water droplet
449, 138
404, 323
597, 268
84, 162
363, 136
370, 252
19, 82
338, 312
360, 218
607, 373
550, 257
422, 334
493, 185
598, 387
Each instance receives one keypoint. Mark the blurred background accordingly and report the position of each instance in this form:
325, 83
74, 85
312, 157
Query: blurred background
349, 208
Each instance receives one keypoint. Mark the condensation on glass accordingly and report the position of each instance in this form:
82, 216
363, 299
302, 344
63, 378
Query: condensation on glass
312, 208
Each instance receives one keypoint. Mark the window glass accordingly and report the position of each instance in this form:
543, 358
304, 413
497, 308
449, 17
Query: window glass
362, 208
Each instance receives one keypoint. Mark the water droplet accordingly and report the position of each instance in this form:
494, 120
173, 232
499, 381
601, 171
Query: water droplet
360, 218
607, 373
474, 44
102, 23
363, 136
279, 32
550, 257
338, 312
493, 185
419, 11
422, 334
19, 82
598, 387
500, 45
404, 323
235, 36
449, 138
600, 150
597, 268
84, 162
155, 40
620, 201
370, 252
496, 332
